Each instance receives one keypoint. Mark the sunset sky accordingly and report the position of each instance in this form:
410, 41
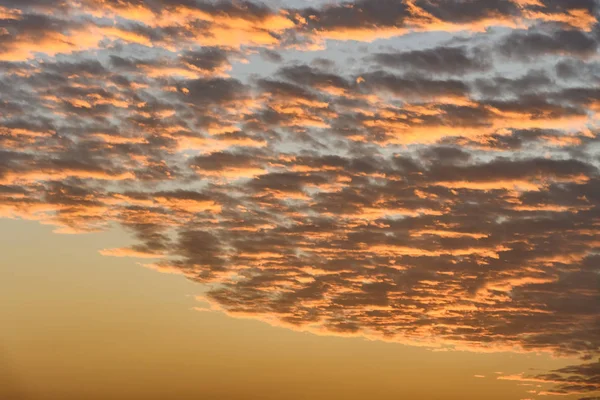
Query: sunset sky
299, 199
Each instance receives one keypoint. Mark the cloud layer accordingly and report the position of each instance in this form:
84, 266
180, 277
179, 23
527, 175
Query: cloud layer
424, 172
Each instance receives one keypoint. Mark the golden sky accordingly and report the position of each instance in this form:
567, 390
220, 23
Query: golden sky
78, 326
300, 199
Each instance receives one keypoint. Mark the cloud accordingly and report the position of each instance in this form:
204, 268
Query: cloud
438, 60
23, 35
526, 45
444, 195
576, 380
371, 20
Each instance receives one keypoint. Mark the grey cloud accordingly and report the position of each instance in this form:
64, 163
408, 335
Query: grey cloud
526, 45
470, 10
362, 13
439, 60
207, 58
413, 87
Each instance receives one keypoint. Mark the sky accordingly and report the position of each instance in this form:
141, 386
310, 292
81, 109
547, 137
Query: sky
299, 199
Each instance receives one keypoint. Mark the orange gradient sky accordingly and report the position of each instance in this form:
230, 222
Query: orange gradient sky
79, 326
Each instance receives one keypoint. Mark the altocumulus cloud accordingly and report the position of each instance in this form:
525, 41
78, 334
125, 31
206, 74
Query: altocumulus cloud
443, 194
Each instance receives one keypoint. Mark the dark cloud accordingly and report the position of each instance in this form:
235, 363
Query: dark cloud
201, 92
413, 87
306, 75
438, 60
581, 380
360, 14
527, 45
577, 69
207, 59
368, 19
534, 81
560, 7
469, 10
